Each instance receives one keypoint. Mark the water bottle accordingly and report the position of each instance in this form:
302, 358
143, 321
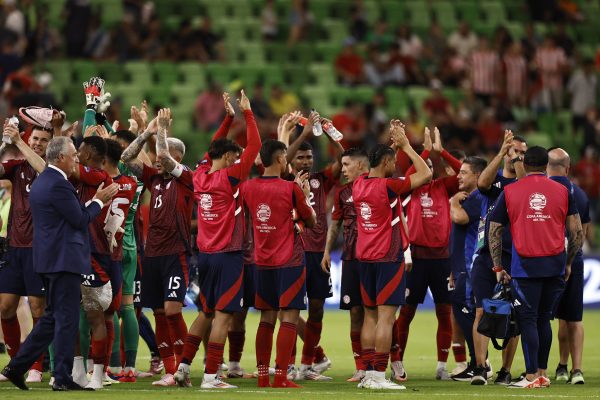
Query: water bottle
14, 121
332, 131
317, 129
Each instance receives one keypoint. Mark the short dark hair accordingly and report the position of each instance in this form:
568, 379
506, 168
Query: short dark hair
97, 144
355, 152
125, 135
536, 158
458, 154
378, 152
305, 146
477, 164
519, 138
113, 151
269, 149
220, 147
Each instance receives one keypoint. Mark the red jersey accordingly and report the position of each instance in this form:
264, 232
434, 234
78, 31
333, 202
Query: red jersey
86, 186
378, 210
20, 227
343, 210
320, 184
171, 202
120, 205
270, 202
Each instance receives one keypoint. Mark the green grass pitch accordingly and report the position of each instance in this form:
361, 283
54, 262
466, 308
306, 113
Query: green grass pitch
420, 361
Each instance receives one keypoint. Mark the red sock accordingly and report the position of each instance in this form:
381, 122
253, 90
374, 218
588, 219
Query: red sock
407, 313
214, 357
98, 353
293, 355
312, 336
285, 338
319, 354
236, 344
163, 340
395, 349
264, 346
12, 335
357, 349
39, 363
178, 333
460, 352
110, 338
444, 331
192, 343
367, 357
380, 361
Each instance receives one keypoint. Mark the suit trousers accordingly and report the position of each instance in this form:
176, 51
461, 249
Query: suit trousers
58, 325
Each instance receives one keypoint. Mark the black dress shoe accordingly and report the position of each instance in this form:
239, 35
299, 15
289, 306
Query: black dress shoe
67, 387
16, 378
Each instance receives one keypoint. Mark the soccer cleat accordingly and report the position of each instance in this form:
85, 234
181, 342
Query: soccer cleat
182, 376
525, 384
224, 367
441, 374
128, 377
398, 371
141, 374
34, 376
359, 374
166, 380
38, 116
322, 365
307, 373
544, 381
237, 372
285, 384
460, 367
3, 378
561, 373
51, 381
108, 380
577, 377
504, 378
156, 366
378, 382
489, 370
212, 381
94, 385
464, 376
292, 372
479, 376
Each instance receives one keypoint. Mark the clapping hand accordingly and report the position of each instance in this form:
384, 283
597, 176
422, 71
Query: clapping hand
227, 103
398, 134
106, 193
243, 101
164, 118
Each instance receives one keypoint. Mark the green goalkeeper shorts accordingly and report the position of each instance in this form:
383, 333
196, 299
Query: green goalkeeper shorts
130, 261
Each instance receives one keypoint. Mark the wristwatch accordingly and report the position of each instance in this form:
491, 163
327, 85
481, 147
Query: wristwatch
516, 159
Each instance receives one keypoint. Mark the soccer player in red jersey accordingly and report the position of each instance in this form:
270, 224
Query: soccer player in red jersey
165, 265
220, 237
429, 228
280, 273
17, 277
318, 283
379, 248
355, 162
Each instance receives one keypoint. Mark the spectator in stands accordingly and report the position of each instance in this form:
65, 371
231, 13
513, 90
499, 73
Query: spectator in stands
9, 58
14, 20
410, 45
352, 122
151, 44
438, 108
530, 41
587, 172
269, 21
208, 110
515, 75
403, 69
435, 45
78, 15
489, 129
126, 39
583, 87
502, 39
185, 44
260, 106
44, 41
380, 35
211, 42
463, 40
282, 102
301, 20
375, 112
551, 63
563, 40
485, 71
452, 68
359, 25
98, 40
349, 66
591, 130
380, 69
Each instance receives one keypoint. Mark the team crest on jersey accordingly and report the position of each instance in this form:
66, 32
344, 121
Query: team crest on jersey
426, 201
263, 212
537, 202
346, 299
365, 211
314, 183
206, 201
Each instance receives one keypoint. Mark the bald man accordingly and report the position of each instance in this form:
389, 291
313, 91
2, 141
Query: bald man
570, 309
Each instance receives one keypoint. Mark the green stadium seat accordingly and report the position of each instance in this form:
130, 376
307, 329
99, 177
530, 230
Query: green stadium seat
397, 102
468, 10
61, 72
249, 75
445, 14
277, 53
494, 12
327, 52
373, 11
419, 14
164, 73
139, 72
193, 73
216, 10
295, 75
548, 123
418, 95
112, 72
317, 97
273, 75
185, 90
393, 11
336, 30
220, 73
112, 13
320, 9
322, 74
516, 29
539, 139
253, 53
83, 70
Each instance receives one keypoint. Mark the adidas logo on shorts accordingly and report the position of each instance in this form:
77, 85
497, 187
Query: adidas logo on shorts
172, 295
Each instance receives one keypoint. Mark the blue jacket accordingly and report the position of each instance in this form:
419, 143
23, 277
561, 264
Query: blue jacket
60, 225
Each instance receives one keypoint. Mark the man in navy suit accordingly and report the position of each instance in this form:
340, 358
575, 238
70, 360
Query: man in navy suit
61, 253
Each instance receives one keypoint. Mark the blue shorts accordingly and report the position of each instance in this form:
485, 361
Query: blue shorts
483, 279
350, 288
17, 275
221, 285
249, 285
318, 283
382, 283
428, 273
280, 288
570, 307
164, 278
537, 298
462, 295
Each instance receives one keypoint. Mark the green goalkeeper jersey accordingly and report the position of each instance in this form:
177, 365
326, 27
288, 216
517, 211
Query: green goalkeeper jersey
129, 242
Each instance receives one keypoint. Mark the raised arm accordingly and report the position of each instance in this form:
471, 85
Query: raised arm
162, 147
422, 173
130, 154
242, 170
427, 148
488, 176
33, 159
295, 145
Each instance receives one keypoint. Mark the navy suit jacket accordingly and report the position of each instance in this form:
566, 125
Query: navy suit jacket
60, 225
